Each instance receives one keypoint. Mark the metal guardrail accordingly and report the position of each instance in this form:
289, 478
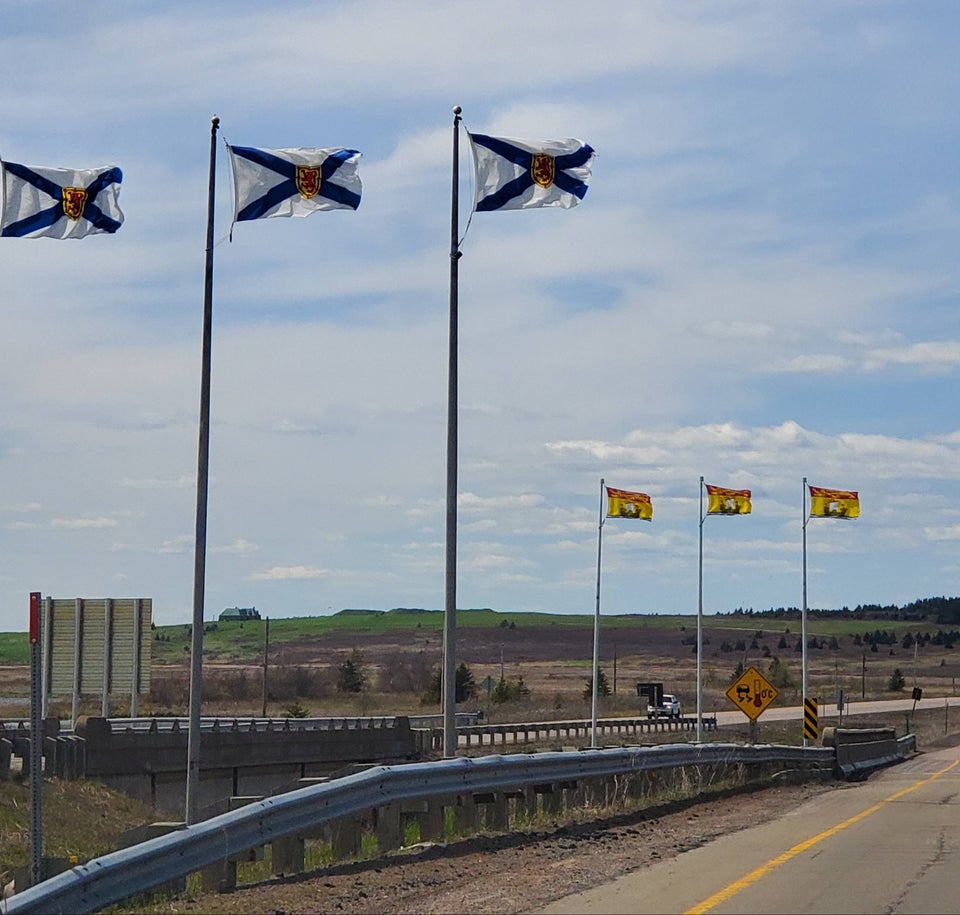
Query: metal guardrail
119, 875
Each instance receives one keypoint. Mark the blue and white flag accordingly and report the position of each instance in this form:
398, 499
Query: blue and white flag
59, 202
514, 174
293, 182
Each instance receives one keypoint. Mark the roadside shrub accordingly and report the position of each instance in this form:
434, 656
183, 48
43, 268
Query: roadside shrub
509, 691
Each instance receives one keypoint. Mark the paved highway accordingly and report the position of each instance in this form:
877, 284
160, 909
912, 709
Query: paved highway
890, 844
828, 710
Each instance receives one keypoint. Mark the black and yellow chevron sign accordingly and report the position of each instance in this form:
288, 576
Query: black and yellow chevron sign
811, 729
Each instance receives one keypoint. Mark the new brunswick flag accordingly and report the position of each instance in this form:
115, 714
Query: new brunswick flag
622, 503
834, 503
727, 501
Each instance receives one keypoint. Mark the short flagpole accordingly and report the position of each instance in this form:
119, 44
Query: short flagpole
700, 627
192, 804
449, 689
803, 616
596, 630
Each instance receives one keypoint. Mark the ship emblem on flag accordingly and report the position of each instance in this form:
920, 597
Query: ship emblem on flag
834, 503
74, 200
623, 503
308, 180
722, 501
543, 168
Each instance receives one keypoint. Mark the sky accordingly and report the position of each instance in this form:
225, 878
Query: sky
759, 287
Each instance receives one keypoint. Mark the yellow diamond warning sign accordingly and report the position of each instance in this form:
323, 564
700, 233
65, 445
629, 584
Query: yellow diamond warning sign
752, 693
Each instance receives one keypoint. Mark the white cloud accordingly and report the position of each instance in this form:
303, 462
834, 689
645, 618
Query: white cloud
754, 290
285, 573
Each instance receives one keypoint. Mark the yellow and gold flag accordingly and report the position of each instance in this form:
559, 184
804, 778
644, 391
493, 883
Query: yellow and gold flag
834, 503
727, 501
622, 503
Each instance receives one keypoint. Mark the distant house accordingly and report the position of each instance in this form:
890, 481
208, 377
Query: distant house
240, 613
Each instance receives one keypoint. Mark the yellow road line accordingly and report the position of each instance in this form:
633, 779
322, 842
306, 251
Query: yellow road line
728, 891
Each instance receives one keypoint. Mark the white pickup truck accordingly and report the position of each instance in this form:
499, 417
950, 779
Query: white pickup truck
668, 708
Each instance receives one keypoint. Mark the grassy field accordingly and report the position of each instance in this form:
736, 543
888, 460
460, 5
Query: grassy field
240, 641
400, 650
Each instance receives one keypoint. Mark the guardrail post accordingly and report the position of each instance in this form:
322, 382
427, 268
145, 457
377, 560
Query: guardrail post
530, 805
287, 856
498, 816
465, 814
220, 877
433, 822
552, 798
344, 838
389, 832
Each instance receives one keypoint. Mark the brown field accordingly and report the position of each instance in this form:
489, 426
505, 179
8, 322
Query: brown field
553, 660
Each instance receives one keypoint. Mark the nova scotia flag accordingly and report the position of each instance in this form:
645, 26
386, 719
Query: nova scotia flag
59, 202
293, 182
513, 174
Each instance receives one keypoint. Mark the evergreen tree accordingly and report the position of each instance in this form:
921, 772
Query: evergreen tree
351, 675
603, 687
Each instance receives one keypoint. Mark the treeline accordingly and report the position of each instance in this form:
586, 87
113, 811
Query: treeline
942, 610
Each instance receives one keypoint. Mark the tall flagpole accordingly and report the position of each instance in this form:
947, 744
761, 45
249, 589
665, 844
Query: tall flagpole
450, 606
700, 626
596, 631
200, 541
803, 614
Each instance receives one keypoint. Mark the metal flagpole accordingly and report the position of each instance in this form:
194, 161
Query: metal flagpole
449, 689
700, 627
192, 804
596, 630
803, 614
36, 744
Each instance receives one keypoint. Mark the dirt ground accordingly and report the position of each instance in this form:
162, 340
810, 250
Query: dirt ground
519, 872
523, 871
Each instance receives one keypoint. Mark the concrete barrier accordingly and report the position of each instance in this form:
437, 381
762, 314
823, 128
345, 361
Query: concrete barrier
859, 751
151, 764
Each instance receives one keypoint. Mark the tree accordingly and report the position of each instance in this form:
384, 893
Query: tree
779, 674
465, 688
603, 687
351, 675
897, 681
507, 690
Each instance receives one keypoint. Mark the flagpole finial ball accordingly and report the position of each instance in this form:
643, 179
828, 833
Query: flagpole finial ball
457, 109
215, 121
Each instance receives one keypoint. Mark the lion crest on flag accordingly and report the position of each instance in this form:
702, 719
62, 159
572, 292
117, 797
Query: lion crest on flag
308, 180
543, 169
74, 201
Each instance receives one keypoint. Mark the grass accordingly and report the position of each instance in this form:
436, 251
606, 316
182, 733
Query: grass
80, 818
236, 640
14, 648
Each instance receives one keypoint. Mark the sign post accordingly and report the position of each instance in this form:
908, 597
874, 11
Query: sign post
752, 693
36, 745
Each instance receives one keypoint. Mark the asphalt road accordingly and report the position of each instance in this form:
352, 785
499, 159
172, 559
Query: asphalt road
855, 707
890, 844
